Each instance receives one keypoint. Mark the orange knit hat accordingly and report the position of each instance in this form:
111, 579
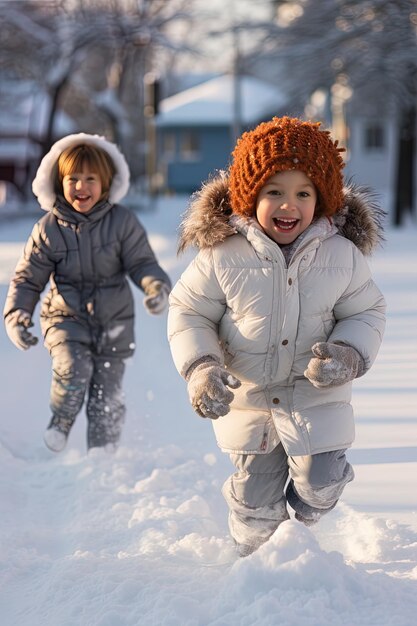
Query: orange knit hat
286, 143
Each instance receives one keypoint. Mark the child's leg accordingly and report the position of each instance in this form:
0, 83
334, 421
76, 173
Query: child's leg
255, 495
317, 483
72, 367
105, 407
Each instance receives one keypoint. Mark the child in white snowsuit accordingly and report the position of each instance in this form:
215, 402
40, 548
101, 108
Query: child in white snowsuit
279, 306
85, 246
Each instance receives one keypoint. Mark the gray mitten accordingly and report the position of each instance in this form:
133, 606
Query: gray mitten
333, 365
208, 389
156, 298
17, 324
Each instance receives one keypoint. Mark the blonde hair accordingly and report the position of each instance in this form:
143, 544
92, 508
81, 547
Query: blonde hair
75, 158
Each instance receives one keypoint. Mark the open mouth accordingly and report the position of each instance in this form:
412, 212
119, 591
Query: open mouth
82, 198
285, 225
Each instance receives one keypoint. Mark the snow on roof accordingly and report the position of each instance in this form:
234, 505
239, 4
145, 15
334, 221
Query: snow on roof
19, 150
212, 103
24, 110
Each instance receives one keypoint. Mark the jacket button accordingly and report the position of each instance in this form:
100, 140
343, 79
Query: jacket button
275, 400
290, 281
285, 342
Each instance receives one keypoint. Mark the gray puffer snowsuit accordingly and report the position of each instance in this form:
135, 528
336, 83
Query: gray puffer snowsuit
87, 316
87, 259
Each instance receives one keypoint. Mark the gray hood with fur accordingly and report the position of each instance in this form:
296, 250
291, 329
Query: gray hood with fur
208, 218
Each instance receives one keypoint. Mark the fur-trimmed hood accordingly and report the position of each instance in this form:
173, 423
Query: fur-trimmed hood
207, 219
43, 183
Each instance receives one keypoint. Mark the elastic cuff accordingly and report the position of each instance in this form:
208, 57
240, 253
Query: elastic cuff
193, 366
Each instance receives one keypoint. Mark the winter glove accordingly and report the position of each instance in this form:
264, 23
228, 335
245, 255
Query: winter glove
333, 365
156, 298
208, 389
17, 324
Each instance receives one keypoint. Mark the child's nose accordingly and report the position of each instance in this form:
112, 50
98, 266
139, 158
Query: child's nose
78, 184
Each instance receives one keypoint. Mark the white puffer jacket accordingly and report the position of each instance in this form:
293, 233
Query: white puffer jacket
239, 303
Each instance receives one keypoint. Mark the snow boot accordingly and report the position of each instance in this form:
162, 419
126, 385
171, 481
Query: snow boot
245, 549
305, 513
56, 435
307, 521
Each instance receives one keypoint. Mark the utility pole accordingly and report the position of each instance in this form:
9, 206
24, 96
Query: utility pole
236, 128
150, 91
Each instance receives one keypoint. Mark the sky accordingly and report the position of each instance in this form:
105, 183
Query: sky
140, 537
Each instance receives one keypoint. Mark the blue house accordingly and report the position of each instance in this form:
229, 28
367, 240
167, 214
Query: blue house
197, 128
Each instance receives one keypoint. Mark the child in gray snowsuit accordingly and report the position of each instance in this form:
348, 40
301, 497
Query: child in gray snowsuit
85, 246
274, 319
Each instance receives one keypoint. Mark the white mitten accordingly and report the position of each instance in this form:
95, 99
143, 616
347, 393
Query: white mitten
17, 324
333, 365
208, 389
156, 298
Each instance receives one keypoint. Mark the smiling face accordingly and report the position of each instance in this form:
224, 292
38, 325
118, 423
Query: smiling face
285, 205
82, 190
84, 175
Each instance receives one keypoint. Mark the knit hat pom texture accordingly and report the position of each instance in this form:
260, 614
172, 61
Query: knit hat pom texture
286, 144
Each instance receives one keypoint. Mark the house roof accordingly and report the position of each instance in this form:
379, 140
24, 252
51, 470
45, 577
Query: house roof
24, 109
212, 103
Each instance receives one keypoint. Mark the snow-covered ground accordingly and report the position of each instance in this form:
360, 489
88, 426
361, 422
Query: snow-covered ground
140, 538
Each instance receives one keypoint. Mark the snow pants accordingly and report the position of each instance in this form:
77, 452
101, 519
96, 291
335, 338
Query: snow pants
257, 494
78, 372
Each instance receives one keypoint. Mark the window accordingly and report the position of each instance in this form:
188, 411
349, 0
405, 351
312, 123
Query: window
374, 137
190, 146
169, 146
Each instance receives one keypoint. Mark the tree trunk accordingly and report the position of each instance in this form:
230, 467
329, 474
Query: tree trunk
54, 94
404, 187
